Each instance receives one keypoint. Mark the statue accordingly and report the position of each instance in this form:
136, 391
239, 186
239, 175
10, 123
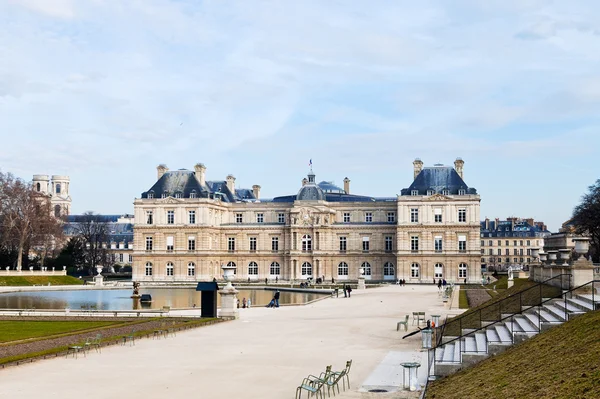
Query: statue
510, 273
136, 290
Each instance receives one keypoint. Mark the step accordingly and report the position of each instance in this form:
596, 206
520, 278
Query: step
481, 341
491, 335
533, 318
457, 350
571, 308
439, 353
503, 333
448, 356
582, 304
469, 345
513, 326
586, 298
547, 317
526, 325
557, 312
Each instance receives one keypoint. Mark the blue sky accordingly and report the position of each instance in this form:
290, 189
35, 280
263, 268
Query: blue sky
105, 90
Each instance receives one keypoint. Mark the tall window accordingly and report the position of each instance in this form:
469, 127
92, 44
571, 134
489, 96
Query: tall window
57, 188
366, 266
438, 244
391, 217
260, 217
414, 270
191, 269
499, 251
281, 217
507, 251
462, 215
389, 244
149, 217
499, 243
343, 244
191, 243
521, 243
365, 247
346, 217
490, 243
120, 258
170, 269
192, 217
252, 269
149, 243
388, 269
170, 217
342, 269
462, 270
274, 244
306, 269
368, 217
170, 243
414, 243
130, 258
38, 187
438, 270
275, 269
414, 215
231, 244
252, 243
57, 211
232, 264
306, 243
148, 269
437, 215
462, 243
238, 218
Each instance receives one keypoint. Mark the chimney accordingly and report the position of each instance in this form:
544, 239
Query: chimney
231, 183
256, 190
458, 165
160, 170
347, 185
418, 164
200, 172
304, 182
487, 223
497, 223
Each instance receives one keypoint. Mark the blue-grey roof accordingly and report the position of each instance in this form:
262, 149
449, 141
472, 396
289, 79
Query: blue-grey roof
438, 179
183, 183
329, 187
117, 232
506, 228
310, 192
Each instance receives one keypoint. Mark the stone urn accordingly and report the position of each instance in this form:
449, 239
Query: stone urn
552, 257
565, 255
229, 294
543, 257
582, 245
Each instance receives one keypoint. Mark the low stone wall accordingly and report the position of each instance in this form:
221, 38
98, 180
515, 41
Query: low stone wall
28, 273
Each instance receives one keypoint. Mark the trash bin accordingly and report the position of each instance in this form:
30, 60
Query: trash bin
410, 381
426, 334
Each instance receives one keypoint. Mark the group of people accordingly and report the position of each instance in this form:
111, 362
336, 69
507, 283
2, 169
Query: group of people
441, 283
246, 303
275, 301
401, 282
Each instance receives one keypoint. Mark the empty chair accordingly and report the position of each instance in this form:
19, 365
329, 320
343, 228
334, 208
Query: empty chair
345, 375
403, 323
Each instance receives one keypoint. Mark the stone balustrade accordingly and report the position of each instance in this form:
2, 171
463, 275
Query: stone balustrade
45, 271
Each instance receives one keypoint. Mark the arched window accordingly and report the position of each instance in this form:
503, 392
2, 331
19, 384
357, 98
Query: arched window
252, 269
438, 270
38, 187
366, 266
57, 211
57, 188
191, 269
306, 269
275, 269
306, 243
462, 270
415, 270
170, 268
343, 269
388, 269
232, 264
148, 269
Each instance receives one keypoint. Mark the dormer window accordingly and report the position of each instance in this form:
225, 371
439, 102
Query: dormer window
414, 192
430, 192
151, 195
445, 192
177, 195
164, 195
462, 191
193, 194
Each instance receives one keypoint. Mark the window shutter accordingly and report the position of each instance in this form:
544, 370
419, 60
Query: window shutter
169, 240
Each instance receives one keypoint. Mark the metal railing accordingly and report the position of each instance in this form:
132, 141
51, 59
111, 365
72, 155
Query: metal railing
500, 312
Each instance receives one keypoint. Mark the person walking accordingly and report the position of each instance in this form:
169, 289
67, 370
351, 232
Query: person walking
345, 292
243, 303
276, 298
439, 284
249, 302
349, 289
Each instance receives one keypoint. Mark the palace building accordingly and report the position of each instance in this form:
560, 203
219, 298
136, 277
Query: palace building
187, 227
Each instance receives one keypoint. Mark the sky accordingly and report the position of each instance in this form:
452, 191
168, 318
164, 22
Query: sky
106, 90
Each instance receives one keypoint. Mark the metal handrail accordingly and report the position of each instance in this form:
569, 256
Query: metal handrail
512, 316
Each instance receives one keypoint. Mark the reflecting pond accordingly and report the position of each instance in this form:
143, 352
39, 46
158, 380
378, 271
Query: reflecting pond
120, 299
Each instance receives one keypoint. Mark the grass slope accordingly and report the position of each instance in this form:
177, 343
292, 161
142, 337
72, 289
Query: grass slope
21, 329
16, 281
561, 363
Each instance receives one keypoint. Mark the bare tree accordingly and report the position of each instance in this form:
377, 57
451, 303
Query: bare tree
586, 217
93, 232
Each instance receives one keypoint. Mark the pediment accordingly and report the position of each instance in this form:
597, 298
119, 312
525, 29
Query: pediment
170, 200
437, 197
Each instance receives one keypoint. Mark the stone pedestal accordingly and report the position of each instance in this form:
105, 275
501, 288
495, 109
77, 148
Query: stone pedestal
361, 283
99, 280
510, 283
229, 302
582, 272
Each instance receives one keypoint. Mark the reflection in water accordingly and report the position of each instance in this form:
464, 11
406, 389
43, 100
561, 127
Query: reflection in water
120, 299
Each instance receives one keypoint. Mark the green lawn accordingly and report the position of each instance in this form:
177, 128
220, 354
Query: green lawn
21, 329
463, 302
38, 280
561, 363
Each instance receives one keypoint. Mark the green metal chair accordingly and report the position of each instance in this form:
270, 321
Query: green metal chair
97, 343
403, 323
344, 374
75, 349
129, 338
421, 317
313, 387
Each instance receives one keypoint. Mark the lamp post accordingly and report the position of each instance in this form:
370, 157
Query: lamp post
361, 279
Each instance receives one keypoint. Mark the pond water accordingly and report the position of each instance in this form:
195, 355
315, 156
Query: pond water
120, 299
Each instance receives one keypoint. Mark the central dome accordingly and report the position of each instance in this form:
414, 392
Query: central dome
310, 192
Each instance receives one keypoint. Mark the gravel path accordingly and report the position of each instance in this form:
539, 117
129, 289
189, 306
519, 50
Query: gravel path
477, 297
7, 349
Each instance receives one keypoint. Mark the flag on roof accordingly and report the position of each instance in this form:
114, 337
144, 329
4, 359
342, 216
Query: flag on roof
310, 163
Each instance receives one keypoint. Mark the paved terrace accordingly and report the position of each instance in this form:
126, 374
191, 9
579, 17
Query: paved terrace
263, 355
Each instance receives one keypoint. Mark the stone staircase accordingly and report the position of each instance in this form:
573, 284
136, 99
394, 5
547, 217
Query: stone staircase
476, 345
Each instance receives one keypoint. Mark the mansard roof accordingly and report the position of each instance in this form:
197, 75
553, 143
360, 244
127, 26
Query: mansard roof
437, 179
183, 183
508, 228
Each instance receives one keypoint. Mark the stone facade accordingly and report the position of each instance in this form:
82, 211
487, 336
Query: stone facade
186, 228
57, 189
